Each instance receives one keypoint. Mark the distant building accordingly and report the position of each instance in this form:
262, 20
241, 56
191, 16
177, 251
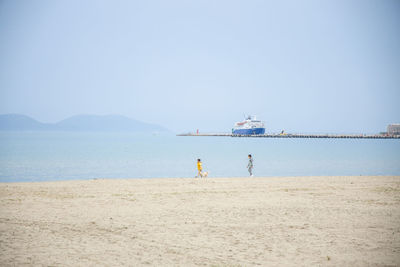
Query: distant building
393, 129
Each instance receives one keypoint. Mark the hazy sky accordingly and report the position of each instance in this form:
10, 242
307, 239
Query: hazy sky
302, 66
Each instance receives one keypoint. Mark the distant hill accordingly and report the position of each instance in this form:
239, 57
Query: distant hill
95, 123
17, 122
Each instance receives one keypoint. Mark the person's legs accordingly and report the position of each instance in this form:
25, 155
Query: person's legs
251, 171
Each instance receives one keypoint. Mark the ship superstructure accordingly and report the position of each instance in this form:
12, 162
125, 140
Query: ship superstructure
250, 126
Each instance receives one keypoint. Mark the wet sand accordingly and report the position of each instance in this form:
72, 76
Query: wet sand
286, 221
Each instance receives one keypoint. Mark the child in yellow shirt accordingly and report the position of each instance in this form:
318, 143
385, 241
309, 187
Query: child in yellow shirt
199, 168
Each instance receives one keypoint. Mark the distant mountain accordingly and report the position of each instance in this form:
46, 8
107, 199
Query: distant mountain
90, 123
17, 122
106, 123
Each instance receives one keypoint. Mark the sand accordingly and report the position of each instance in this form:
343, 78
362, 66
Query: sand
286, 221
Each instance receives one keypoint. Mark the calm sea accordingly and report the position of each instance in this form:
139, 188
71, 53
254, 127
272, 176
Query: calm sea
50, 156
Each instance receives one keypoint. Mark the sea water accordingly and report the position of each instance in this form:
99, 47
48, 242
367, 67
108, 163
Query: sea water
51, 156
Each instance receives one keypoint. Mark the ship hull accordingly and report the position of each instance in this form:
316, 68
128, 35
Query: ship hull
249, 131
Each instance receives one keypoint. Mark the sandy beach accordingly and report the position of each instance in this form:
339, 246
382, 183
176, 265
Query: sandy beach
274, 221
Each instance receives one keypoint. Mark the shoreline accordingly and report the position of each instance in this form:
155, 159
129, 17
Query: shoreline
192, 178
279, 221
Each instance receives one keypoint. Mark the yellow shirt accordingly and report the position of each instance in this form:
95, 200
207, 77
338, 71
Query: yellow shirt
199, 165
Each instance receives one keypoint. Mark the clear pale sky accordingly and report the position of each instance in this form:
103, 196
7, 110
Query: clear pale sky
302, 66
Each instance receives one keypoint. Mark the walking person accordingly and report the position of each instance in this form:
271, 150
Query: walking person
250, 165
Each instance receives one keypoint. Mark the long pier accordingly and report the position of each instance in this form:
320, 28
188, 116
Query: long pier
342, 136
